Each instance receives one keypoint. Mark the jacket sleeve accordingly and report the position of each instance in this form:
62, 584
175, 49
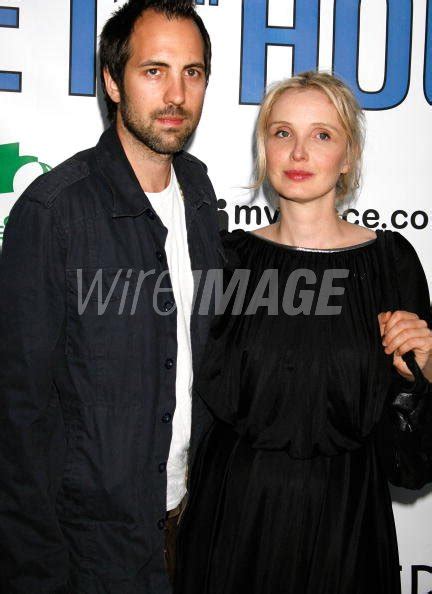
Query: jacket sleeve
33, 554
406, 432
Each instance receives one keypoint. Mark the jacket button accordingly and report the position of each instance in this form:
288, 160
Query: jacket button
169, 363
168, 305
160, 256
166, 418
150, 214
161, 524
162, 467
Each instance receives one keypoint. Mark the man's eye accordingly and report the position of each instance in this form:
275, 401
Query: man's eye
192, 72
152, 71
323, 136
282, 133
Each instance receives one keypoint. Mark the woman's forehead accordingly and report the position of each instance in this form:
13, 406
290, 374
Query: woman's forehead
305, 105
298, 98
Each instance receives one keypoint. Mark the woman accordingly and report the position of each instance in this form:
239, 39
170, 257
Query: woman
289, 494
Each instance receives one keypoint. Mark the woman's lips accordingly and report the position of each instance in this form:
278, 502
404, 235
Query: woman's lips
298, 175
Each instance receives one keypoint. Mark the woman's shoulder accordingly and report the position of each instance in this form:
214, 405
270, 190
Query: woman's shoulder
232, 237
402, 248
232, 243
355, 234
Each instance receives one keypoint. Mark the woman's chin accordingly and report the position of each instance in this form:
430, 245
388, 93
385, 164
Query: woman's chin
303, 193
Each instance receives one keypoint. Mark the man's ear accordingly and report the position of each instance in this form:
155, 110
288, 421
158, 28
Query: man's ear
111, 86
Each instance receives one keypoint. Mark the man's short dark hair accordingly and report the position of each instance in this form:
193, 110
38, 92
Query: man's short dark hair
114, 40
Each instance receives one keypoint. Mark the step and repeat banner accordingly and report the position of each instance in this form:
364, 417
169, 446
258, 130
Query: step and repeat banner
51, 108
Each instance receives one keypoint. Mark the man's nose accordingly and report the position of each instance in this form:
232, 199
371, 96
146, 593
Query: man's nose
175, 90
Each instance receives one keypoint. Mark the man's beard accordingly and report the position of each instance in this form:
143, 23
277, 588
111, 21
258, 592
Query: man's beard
167, 142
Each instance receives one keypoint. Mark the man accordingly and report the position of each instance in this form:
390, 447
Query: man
99, 336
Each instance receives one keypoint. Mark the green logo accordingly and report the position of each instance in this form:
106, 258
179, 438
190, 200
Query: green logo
11, 162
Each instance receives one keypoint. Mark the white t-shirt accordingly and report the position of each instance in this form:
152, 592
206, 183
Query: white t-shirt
169, 206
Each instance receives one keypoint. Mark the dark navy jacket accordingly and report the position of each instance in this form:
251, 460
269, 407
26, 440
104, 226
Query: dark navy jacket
87, 397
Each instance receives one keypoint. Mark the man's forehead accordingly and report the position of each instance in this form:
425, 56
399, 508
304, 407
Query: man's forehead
158, 35
152, 23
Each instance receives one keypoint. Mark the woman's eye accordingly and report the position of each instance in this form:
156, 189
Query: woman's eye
282, 133
323, 136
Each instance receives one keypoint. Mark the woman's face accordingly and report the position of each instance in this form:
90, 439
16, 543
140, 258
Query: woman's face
305, 145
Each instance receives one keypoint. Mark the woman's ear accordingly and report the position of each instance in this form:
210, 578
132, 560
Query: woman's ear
345, 167
347, 162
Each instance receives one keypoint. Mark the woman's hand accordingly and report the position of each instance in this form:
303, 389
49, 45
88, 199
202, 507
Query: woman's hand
402, 331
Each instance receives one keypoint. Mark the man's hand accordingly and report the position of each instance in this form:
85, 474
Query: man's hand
402, 331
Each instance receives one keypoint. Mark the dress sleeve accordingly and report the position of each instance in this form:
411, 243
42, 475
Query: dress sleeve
406, 432
411, 280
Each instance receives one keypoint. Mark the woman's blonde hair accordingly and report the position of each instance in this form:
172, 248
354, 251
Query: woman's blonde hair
350, 114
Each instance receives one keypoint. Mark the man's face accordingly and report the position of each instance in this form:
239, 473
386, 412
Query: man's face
164, 83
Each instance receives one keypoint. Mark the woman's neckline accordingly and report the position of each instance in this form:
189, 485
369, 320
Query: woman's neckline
313, 250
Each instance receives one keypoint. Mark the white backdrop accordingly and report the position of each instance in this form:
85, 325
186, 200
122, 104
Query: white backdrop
49, 110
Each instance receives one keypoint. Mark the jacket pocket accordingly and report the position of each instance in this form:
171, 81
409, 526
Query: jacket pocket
101, 480
101, 335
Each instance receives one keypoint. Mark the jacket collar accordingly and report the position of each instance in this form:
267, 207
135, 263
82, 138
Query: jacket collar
128, 197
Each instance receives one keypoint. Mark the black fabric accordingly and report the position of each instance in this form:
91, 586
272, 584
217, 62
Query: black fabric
406, 436
289, 492
86, 400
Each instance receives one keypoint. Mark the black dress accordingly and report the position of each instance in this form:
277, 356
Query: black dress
289, 493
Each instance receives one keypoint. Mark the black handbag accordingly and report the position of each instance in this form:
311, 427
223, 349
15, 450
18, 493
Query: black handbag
410, 430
